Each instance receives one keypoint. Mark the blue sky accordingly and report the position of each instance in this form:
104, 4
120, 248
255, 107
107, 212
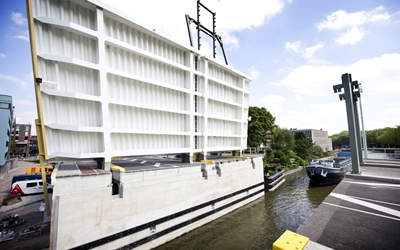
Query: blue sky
294, 50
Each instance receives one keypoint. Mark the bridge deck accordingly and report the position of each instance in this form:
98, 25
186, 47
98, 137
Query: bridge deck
362, 212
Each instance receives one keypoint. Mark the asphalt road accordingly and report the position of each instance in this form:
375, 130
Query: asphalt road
360, 213
27, 209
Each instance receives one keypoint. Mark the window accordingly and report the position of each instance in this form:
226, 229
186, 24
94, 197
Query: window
40, 183
4, 105
31, 184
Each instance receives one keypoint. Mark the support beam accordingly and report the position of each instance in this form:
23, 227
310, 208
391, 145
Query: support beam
351, 119
39, 123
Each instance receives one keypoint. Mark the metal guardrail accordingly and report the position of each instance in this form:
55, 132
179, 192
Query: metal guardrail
272, 181
385, 153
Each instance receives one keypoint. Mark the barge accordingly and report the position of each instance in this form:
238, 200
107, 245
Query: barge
328, 172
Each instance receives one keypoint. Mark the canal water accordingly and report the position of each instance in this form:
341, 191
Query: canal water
258, 224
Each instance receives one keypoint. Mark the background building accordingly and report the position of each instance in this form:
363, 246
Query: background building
6, 120
22, 137
318, 137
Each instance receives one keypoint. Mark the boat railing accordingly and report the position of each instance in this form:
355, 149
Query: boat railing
342, 163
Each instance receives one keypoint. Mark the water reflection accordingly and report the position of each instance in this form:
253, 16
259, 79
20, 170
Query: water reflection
258, 224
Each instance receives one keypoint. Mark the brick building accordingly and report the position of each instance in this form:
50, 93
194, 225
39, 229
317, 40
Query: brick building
22, 137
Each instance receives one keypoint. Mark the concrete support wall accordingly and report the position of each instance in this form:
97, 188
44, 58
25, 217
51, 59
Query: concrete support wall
153, 207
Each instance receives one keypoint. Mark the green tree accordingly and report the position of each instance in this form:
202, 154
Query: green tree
383, 137
317, 150
341, 139
284, 140
13, 144
303, 146
269, 156
389, 137
260, 127
375, 138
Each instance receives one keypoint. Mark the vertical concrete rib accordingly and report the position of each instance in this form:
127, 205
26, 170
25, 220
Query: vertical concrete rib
101, 47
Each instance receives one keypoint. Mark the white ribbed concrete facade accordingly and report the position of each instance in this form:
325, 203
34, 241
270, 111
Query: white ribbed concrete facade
112, 87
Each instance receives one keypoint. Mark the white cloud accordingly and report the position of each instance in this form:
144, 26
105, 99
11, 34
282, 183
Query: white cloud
376, 15
295, 46
2, 55
273, 99
353, 23
310, 51
341, 19
18, 18
320, 106
240, 15
22, 84
351, 36
19, 33
379, 75
231, 40
24, 103
273, 107
382, 72
298, 97
251, 13
253, 73
29, 76
307, 52
22, 37
273, 103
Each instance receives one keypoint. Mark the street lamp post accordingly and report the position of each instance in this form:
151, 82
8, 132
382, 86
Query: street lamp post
362, 124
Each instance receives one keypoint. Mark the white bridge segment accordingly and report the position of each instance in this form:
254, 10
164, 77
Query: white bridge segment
112, 87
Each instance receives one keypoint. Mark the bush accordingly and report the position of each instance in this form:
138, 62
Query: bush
293, 166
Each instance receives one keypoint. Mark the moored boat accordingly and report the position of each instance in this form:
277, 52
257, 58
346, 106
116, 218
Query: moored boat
327, 172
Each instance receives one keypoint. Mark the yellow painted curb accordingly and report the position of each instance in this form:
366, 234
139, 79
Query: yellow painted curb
243, 157
290, 241
116, 168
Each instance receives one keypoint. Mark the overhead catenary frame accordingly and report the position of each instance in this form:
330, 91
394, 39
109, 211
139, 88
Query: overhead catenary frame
208, 32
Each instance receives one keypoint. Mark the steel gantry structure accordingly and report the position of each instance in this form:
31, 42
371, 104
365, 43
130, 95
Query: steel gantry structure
351, 95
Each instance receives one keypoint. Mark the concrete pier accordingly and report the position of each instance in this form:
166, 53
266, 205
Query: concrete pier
362, 212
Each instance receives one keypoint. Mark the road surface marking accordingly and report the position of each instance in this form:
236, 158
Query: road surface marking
367, 204
365, 212
374, 184
387, 203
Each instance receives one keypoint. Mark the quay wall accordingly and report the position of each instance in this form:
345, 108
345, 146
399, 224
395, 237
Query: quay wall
151, 207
